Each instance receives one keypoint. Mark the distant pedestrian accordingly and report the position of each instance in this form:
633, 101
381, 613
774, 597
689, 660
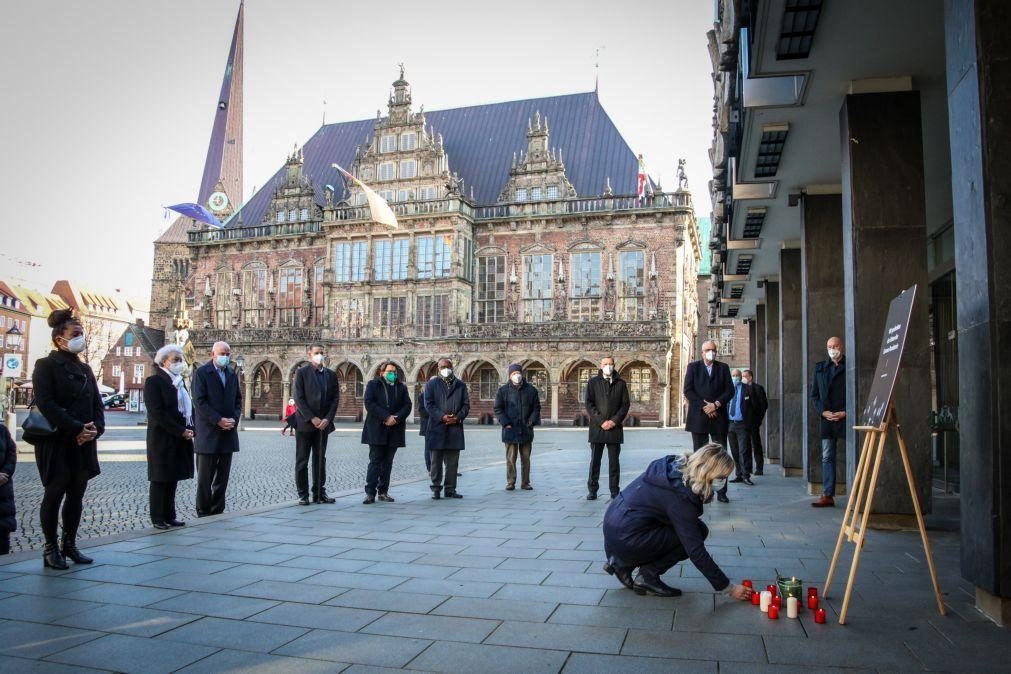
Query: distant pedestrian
759, 406
8, 512
169, 434
66, 394
448, 404
217, 408
517, 410
708, 388
317, 395
828, 396
739, 433
388, 405
607, 403
289, 417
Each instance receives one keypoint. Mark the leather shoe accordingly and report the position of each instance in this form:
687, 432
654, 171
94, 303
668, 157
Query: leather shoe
527, 487
654, 587
622, 573
160, 525
510, 487
324, 499
436, 496
736, 480
824, 502
454, 495
722, 498
591, 497
748, 482
386, 498
369, 500
175, 523
303, 500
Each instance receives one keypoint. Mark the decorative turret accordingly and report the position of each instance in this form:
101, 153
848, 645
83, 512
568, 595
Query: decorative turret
538, 173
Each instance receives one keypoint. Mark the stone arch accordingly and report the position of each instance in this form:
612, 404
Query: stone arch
425, 371
465, 369
294, 368
483, 378
351, 379
645, 389
572, 389
538, 373
401, 370
267, 390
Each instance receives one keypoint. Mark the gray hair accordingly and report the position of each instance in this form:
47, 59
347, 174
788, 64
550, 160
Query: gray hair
166, 351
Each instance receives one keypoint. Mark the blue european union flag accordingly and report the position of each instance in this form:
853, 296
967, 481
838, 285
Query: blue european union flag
197, 212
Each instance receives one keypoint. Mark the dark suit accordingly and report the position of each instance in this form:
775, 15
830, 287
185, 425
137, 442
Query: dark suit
759, 406
316, 394
445, 441
212, 402
169, 454
382, 401
828, 394
701, 386
606, 400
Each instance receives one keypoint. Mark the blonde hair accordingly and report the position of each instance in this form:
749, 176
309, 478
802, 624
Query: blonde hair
707, 463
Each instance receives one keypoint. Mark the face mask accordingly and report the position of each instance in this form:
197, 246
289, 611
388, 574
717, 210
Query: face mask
222, 361
446, 372
834, 354
177, 368
318, 358
517, 378
710, 355
391, 377
747, 382
608, 370
76, 345
737, 380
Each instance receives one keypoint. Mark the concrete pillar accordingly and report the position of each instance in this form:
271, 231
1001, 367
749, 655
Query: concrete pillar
791, 364
285, 395
822, 316
773, 430
884, 252
979, 96
247, 398
761, 374
554, 404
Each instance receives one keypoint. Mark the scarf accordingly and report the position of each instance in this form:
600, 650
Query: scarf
183, 399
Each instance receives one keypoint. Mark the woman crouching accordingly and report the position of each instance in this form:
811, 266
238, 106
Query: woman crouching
654, 523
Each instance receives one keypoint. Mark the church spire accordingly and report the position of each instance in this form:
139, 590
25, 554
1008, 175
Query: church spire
223, 166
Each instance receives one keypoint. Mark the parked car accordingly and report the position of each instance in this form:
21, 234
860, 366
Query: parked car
114, 401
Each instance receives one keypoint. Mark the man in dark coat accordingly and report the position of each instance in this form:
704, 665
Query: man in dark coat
517, 410
759, 406
388, 405
708, 388
739, 432
169, 434
448, 404
217, 408
607, 403
316, 393
828, 396
9, 459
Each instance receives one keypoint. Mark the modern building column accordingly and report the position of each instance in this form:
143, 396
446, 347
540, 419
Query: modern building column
773, 431
979, 95
761, 374
752, 344
791, 364
554, 404
884, 252
822, 311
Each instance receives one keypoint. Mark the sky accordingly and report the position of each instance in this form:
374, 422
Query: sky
109, 103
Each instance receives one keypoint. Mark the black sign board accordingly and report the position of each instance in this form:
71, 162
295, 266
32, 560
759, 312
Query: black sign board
889, 357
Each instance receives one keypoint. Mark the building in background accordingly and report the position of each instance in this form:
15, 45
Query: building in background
15, 330
729, 333
130, 361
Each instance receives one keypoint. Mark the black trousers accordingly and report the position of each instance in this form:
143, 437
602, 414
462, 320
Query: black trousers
654, 551
740, 448
70, 493
310, 448
163, 501
5, 542
613, 467
756, 448
212, 481
380, 467
448, 459
699, 439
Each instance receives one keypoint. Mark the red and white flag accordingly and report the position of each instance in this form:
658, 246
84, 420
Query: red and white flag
641, 189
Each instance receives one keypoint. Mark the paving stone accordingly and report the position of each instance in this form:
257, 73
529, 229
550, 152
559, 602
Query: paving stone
123, 653
198, 582
21, 666
462, 561
693, 603
126, 595
737, 618
496, 609
449, 587
562, 579
324, 617
326, 563
610, 616
315, 550
380, 555
303, 592
32, 640
879, 653
587, 663
131, 620
411, 570
236, 634
760, 668
217, 605
665, 644
487, 659
501, 576
558, 637
432, 627
549, 565
253, 572
401, 602
359, 581
259, 663
366, 649
557, 595
40, 609
42, 585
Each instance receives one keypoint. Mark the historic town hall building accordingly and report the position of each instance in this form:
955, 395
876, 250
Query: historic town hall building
520, 239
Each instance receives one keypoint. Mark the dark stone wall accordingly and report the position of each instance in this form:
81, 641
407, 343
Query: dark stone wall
791, 363
772, 364
760, 365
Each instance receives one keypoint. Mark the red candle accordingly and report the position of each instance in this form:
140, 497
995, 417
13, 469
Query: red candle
756, 598
777, 601
819, 616
812, 592
812, 601
773, 589
746, 583
774, 612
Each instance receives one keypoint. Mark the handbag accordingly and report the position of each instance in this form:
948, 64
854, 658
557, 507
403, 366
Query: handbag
35, 426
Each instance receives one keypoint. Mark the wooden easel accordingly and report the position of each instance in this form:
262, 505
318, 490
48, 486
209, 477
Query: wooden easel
862, 499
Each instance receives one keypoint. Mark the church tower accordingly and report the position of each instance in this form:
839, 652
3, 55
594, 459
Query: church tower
220, 191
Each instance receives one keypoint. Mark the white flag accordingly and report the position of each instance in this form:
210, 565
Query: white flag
381, 211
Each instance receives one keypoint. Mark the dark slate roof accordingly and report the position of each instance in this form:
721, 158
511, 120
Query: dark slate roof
480, 141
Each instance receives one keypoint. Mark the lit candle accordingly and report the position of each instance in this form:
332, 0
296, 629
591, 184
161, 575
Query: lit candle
773, 589
819, 616
812, 601
812, 592
773, 612
746, 583
756, 597
765, 601
792, 606
777, 601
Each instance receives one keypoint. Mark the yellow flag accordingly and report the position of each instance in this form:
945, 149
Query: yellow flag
381, 211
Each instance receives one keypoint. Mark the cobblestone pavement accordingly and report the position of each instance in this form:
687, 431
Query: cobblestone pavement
262, 473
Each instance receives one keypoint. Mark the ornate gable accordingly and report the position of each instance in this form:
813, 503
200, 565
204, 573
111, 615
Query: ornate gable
294, 199
538, 174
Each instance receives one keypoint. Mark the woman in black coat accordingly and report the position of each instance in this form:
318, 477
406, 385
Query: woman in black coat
388, 405
9, 458
169, 434
66, 394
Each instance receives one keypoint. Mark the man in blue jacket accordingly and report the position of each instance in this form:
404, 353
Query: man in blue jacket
447, 403
217, 408
739, 433
517, 410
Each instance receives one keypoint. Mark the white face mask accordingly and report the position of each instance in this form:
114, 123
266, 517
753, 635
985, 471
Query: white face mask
318, 358
76, 345
446, 372
516, 377
834, 354
608, 370
710, 355
177, 368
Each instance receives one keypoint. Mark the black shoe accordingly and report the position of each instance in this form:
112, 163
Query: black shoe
386, 498
759, 472
436, 495
748, 482
510, 487
160, 525
622, 573
52, 559
654, 587
369, 500
70, 551
527, 487
736, 480
614, 494
591, 496
175, 523
303, 500
324, 499
722, 498
454, 495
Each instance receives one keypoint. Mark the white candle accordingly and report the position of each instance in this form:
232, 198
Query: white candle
765, 600
791, 607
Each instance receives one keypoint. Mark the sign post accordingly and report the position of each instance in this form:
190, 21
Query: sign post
877, 419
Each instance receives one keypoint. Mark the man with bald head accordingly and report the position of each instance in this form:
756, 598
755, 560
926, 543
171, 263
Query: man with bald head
217, 408
828, 396
709, 390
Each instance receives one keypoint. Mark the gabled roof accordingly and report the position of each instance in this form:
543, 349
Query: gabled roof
38, 303
480, 141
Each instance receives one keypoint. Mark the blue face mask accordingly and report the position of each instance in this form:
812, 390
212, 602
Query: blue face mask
222, 361
737, 380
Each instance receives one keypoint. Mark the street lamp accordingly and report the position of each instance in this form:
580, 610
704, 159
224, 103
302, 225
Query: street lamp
240, 362
14, 338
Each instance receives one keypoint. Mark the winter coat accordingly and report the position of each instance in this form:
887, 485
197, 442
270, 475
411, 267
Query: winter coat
441, 398
828, 392
66, 394
759, 405
383, 400
700, 386
213, 402
607, 401
8, 462
169, 455
311, 402
656, 499
518, 410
